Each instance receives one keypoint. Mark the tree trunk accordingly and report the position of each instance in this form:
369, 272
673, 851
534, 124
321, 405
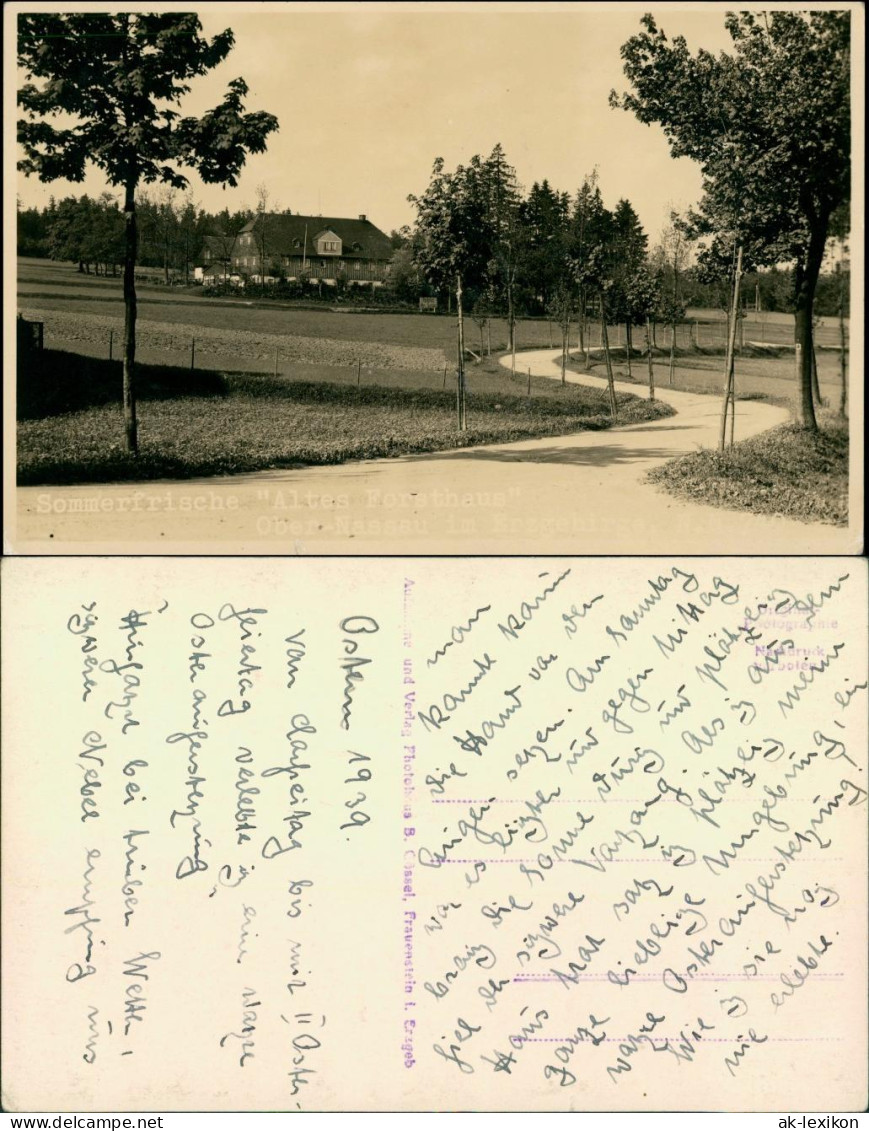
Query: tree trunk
512, 333
130, 248
672, 351
816, 388
729, 398
843, 367
460, 372
604, 338
630, 345
806, 280
649, 356
488, 337
564, 353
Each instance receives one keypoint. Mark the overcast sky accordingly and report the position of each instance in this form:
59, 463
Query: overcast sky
367, 96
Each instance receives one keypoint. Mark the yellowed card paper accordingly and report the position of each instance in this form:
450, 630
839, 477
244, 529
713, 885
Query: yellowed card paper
529, 834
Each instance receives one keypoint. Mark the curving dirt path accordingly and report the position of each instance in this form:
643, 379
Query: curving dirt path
578, 494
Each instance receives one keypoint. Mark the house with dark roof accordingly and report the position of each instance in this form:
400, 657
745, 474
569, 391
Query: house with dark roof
326, 248
214, 263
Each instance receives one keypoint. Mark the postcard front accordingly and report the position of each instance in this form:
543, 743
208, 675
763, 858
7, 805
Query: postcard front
540, 834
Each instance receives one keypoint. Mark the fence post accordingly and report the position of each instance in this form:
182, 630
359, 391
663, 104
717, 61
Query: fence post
445, 377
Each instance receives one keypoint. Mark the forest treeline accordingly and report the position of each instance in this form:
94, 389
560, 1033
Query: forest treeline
89, 231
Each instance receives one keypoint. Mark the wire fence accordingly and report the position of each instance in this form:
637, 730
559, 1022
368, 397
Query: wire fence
700, 336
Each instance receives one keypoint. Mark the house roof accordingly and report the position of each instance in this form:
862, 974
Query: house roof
221, 247
283, 231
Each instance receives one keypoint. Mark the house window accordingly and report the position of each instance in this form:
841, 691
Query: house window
297, 243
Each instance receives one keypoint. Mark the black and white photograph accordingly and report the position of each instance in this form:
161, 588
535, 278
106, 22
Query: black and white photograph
435, 278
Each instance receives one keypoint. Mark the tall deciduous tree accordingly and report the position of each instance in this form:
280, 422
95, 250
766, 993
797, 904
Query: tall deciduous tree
585, 236
452, 243
88, 232
118, 75
191, 240
595, 258
770, 126
672, 258
642, 299
166, 225
67, 230
263, 232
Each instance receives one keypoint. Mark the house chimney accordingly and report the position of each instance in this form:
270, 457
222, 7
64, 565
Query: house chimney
362, 216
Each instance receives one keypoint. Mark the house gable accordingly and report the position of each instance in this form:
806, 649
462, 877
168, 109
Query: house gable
327, 242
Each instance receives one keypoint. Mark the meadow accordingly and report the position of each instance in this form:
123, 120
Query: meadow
786, 471
240, 385
70, 427
58, 287
761, 373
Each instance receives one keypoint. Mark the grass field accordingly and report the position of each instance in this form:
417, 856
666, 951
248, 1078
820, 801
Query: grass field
786, 471
348, 360
274, 385
49, 286
207, 423
759, 373
44, 285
